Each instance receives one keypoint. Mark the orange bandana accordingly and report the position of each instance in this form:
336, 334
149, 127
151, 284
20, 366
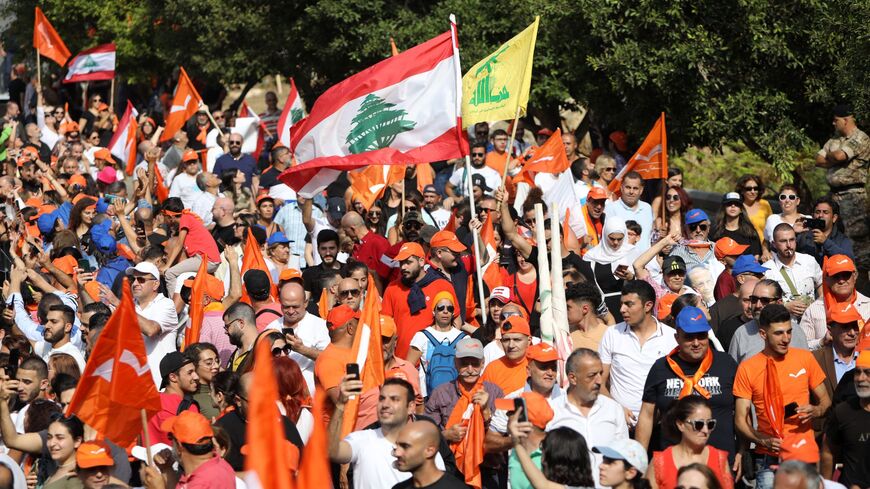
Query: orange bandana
690, 384
773, 401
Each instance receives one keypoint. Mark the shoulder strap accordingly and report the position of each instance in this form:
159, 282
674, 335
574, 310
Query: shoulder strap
788, 281
458, 337
431, 338
267, 311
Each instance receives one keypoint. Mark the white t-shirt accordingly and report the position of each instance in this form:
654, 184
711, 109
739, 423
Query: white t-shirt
492, 178
441, 216
161, 310
492, 351
421, 343
45, 350
184, 186
202, 206
314, 334
372, 459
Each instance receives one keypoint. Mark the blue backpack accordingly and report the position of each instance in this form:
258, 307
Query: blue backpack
441, 368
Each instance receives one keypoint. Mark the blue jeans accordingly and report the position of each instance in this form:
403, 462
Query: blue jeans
764, 474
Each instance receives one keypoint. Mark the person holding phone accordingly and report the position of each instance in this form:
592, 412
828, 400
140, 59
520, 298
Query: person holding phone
334, 361
824, 236
610, 261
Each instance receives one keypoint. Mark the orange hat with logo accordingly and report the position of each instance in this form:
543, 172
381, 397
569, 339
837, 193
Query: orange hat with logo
596, 193
188, 427
214, 288
77, 180
388, 327
728, 247
538, 410
516, 324
408, 250
189, 155
67, 264
665, 304
447, 239
105, 155
838, 263
339, 316
69, 126
542, 352
289, 274
92, 454
844, 313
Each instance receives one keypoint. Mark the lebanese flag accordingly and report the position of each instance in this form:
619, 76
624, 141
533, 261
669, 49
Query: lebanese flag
292, 113
117, 383
185, 103
123, 144
369, 353
97, 63
245, 111
47, 41
651, 159
405, 110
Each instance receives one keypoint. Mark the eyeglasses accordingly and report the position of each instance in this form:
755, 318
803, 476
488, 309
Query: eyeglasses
750, 189
763, 300
277, 351
208, 362
673, 197
142, 280
787, 196
612, 168
348, 293
703, 227
449, 309
698, 424
235, 143
478, 155
227, 325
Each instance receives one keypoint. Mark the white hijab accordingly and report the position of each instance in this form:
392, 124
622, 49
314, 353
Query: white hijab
603, 253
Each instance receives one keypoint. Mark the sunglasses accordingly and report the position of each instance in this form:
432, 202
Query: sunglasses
750, 189
612, 168
732, 204
449, 309
763, 300
698, 225
478, 155
220, 117
277, 351
673, 197
235, 143
142, 280
412, 225
349, 293
699, 424
787, 197
841, 277
410, 209
374, 214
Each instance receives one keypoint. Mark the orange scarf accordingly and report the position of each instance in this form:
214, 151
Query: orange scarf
203, 133
591, 230
773, 401
469, 450
690, 384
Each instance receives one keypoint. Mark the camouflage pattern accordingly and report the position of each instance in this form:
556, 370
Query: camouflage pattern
857, 147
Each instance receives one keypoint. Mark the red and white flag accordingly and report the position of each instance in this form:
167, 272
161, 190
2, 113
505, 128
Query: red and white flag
292, 113
404, 110
97, 63
123, 144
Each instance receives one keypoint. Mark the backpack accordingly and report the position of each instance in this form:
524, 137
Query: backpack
441, 368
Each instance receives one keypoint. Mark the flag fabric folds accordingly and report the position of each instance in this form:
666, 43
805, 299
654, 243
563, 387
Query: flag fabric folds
368, 351
403, 110
197, 313
496, 86
651, 159
117, 383
123, 144
252, 259
97, 63
550, 157
185, 103
47, 41
370, 183
292, 113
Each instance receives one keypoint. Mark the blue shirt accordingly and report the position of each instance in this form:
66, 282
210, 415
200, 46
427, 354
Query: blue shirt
841, 368
246, 163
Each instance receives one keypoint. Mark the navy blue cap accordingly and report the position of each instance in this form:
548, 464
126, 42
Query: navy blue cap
696, 216
102, 206
692, 320
746, 264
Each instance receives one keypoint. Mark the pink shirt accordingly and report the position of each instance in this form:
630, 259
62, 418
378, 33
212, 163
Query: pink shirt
213, 332
168, 408
214, 474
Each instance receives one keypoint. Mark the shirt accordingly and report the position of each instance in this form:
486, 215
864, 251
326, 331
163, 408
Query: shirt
395, 305
46, 350
311, 330
245, 162
213, 332
329, 368
446, 481
198, 239
440, 404
517, 476
184, 186
815, 325
641, 214
509, 377
161, 310
848, 430
372, 459
841, 367
630, 362
422, 344
370, 250
805, 274
499, 421
169, 404
367, 414
459, 179
214, 474
202, 206
746, 341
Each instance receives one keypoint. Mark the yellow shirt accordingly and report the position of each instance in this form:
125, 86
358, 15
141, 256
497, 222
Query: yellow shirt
759, 219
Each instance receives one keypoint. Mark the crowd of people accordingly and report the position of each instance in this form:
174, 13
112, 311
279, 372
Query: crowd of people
709, 348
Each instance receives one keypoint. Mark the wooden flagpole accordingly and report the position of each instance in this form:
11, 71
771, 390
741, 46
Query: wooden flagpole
510, 146
146, 437
475, 234
38, 72
211, 118
112, 96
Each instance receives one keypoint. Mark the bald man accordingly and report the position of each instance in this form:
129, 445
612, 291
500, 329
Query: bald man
415, 451
350, 293
726, 328
369, 247
224, 230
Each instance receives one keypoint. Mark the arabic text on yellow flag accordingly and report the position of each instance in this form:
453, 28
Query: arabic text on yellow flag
494, 88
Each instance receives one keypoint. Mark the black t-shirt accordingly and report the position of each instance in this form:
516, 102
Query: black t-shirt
269, 178
224, 235
236, 429
446, 481
727, 328
724, 309
848, 431
663, 387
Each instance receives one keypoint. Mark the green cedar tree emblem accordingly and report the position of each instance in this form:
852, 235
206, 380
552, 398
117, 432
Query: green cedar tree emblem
89, 63
376, 125
296, 115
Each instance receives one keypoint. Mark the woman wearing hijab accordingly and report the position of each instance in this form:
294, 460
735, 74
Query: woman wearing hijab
610, 262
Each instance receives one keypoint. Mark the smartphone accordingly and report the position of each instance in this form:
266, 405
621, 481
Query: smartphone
810, 223
12, 366
353, 369
287, 331
519, 402
85, 265
621, 268
791, 409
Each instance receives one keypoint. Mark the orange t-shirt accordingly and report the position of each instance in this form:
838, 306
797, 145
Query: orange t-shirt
798, 373
502, 373
329, 368
496, 161
395, 305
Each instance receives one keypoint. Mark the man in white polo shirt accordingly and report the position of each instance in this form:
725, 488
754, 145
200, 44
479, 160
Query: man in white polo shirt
598, 418
629, 348
158, 320
631, 208
798, 274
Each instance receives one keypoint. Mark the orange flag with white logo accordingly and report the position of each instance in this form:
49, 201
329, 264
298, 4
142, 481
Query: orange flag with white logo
252, 259
651, 159
117, 383
197, 312
185, 103
370, 183
160, 190
267, 461
368, 351
47, 41
550, 157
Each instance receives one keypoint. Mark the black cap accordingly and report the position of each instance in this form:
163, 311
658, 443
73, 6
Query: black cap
336, 207
257, 284
413, 216
843, 110
172, 363
478, 180
672, 264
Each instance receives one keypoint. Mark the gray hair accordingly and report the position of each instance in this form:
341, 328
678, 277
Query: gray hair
573, 360
813, 479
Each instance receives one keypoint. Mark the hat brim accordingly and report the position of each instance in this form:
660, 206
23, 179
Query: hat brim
609, 453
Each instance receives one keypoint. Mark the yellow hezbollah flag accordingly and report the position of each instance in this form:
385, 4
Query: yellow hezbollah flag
495, 87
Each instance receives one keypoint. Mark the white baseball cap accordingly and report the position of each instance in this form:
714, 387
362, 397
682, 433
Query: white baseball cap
145, 267
626, 449
503, 294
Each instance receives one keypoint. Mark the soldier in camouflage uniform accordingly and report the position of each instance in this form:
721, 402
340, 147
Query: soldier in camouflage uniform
846, 158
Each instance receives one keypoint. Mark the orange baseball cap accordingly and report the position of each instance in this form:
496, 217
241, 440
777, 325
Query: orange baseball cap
542, 352
440, 296
188, 427
516, 324
447, 239
538, 410
388, 327
289, 274
69, 126
844, 313
863, 360
189, 155
214, 288
728, 247
104, 154
31, 151
77, 180
339, 316
67, 264
597, 193
92, 454
263, 197
408, 250
838, 263
82, 196
665, 304
33, 202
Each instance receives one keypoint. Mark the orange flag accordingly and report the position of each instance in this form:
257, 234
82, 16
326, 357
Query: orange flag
117, 383
323, 305
569, 237
253, 260
161, 192
651, 159
491, 271
550, 157
393, 49
47, 41
267, 462
194, 325
451, 223
370, 183
314, 471
184, 105
371, 359
469, 451
425, 176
